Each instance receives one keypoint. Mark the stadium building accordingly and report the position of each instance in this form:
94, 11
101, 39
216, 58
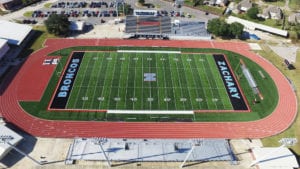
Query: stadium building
3, 48
150, 24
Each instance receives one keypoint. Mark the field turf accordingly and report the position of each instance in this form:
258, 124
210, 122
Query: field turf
148, 81
105, 83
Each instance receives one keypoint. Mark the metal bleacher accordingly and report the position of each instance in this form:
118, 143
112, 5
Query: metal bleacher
148, 26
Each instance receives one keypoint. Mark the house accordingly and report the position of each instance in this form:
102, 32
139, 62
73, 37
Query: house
215, 2
294, 18
7, 5
272, 12
244, 5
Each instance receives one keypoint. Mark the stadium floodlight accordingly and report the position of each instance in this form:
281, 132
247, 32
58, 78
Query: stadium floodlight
99, 141
194, 142
6, 140
284, 142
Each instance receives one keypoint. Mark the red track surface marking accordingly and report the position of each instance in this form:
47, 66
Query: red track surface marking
23, 88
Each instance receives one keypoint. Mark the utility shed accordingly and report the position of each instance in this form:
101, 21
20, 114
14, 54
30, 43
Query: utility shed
275, 158
10, 136
14, 33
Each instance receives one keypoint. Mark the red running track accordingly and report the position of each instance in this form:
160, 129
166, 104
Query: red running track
32, 79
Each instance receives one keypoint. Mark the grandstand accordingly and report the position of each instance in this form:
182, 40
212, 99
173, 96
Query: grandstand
189, 30
162, 27
148, 26
138, 150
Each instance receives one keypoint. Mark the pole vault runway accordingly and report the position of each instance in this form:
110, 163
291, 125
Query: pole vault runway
32, 78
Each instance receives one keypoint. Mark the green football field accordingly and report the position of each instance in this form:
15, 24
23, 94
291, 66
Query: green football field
148, 81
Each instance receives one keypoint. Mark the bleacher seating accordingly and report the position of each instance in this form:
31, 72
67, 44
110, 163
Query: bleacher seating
148, 25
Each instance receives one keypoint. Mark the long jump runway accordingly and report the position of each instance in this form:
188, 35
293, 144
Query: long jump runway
32, 79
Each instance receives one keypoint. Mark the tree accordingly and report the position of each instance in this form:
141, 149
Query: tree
217, 27
142, 2
197, 2
236, 30
252, 12
57, 24
127, 9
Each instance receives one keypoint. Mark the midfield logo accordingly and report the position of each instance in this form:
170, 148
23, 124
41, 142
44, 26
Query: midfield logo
149, 77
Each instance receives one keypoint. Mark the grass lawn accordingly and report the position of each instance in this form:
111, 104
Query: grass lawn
48, 5
211, 9
294, 130
269, 22
2, 12
279, 3
28, 14
294, 4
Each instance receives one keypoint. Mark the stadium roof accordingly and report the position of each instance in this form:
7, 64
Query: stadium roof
275, 158
15, 139
256, 26
3, 47
4, 1
14, 33
2, 43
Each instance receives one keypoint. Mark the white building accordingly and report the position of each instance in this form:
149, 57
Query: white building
3, 48
8, 135
255, 26
275, 158
14, 33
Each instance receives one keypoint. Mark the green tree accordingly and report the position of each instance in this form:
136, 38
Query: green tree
142, 2
236, 30
58, 24
218, 27
127, 9
197, 2
252, 12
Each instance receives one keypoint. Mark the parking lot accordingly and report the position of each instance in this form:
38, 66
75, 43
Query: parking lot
98, 12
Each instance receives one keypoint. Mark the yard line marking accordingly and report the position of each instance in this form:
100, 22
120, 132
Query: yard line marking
206, 75
179, 79
127, 80
121, 65
157, 85
98, 73
90, 81
111, 82
104, 79
194, 81
77, 97
189, 92
204, 91
147, 51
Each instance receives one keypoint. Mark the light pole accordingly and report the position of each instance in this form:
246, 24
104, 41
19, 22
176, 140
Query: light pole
195, 142
99, 141
6, 138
